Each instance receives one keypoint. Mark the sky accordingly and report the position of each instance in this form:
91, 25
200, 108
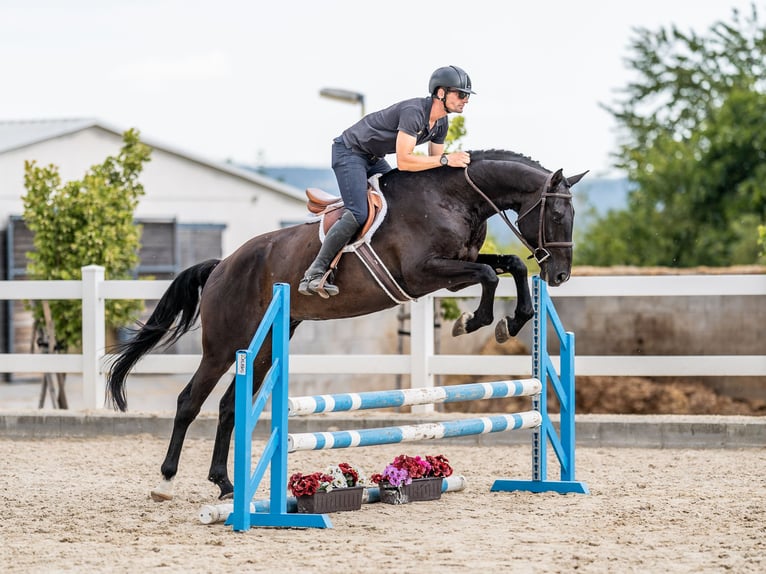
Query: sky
239, 80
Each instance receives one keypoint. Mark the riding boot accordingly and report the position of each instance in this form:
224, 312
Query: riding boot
335, 240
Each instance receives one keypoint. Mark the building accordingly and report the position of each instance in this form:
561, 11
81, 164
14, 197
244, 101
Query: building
193, 208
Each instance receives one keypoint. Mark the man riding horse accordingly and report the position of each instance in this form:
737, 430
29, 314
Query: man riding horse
431, 240
359, 153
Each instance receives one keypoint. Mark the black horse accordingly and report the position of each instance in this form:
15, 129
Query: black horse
430, 240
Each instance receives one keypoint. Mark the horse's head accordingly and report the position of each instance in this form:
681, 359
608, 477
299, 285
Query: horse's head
546, 222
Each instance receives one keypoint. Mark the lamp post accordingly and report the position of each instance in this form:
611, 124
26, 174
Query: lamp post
343, 96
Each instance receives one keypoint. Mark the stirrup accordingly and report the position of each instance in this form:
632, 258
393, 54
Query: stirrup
318, 285
321, 287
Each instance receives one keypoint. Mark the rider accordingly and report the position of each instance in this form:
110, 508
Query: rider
359, 153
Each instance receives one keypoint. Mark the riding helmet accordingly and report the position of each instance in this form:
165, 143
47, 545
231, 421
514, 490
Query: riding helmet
450, 77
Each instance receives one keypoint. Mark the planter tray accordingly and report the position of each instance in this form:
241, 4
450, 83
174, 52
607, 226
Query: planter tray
418, 490
337, 500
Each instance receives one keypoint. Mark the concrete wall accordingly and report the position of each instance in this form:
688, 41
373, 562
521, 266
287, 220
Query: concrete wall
714, 325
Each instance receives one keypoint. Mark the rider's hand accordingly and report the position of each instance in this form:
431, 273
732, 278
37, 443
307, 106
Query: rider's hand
458, 159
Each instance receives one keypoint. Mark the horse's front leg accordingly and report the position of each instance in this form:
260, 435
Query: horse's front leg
461, 274
510, 325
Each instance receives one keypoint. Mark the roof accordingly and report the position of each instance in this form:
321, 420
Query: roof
18, 134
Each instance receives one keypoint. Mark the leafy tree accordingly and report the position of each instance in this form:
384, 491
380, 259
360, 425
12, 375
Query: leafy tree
86, 222
455, 132
693, 142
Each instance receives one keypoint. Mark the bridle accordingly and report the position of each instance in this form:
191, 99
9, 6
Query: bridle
540, 253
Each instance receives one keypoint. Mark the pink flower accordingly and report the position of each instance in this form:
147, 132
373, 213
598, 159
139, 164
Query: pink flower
405, 468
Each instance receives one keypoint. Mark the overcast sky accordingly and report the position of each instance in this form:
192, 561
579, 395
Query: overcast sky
240, 80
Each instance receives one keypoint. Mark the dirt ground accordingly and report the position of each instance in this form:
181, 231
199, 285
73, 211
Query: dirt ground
77, 505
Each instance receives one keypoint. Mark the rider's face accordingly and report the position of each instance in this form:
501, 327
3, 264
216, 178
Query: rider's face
456, 101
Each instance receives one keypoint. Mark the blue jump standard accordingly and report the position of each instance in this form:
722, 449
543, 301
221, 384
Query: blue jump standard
276, 322
560, 486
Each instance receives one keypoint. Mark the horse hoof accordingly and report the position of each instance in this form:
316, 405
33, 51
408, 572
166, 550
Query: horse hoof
459, 328
160, 496
163, 492
501, 331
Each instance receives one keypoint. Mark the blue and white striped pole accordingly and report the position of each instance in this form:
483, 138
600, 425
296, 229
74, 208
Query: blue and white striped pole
411, 433
297, 406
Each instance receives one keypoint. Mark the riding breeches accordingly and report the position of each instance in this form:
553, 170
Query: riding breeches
352, 169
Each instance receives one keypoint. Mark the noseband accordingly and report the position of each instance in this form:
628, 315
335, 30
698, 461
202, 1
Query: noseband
540, 253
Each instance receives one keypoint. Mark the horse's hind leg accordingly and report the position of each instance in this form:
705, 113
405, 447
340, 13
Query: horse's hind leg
219, 474
190, 402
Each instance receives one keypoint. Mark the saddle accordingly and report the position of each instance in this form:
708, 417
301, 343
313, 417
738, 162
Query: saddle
330, 207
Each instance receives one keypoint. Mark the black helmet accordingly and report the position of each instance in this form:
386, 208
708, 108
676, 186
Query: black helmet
450, 77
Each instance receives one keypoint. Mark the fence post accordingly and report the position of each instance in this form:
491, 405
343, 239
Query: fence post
93, 337
422, 347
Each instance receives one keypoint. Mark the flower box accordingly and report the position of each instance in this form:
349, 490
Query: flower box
424, 476
418, 490
336, 500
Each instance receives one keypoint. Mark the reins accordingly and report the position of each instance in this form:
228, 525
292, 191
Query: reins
540, 253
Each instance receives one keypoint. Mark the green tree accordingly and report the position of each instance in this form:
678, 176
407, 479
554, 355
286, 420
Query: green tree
455, 133
693, 143
85, 222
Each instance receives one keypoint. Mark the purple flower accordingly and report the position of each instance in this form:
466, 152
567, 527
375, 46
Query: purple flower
396, 476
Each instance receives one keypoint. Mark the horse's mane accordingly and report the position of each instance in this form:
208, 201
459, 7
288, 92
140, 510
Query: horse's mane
503, 155
492, 155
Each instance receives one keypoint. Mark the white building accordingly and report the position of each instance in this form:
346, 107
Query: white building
193, 208
198, 196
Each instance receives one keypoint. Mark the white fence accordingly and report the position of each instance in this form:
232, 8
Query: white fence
422, 363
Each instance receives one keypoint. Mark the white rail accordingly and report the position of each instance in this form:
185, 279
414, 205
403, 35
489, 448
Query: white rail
422, 364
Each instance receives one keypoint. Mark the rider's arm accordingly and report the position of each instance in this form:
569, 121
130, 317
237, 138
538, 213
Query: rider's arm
407, 160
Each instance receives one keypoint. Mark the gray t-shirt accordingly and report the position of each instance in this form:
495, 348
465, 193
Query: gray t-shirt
375, 134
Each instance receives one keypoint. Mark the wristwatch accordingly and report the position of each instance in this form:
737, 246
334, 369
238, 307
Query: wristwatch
443, 160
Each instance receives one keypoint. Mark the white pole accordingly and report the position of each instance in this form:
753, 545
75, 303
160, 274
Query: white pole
422, 347
93, 337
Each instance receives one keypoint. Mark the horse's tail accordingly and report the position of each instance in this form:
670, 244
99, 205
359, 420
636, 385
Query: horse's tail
181, 298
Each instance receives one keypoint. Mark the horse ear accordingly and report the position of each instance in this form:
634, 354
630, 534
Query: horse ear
557, 178
575, 178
